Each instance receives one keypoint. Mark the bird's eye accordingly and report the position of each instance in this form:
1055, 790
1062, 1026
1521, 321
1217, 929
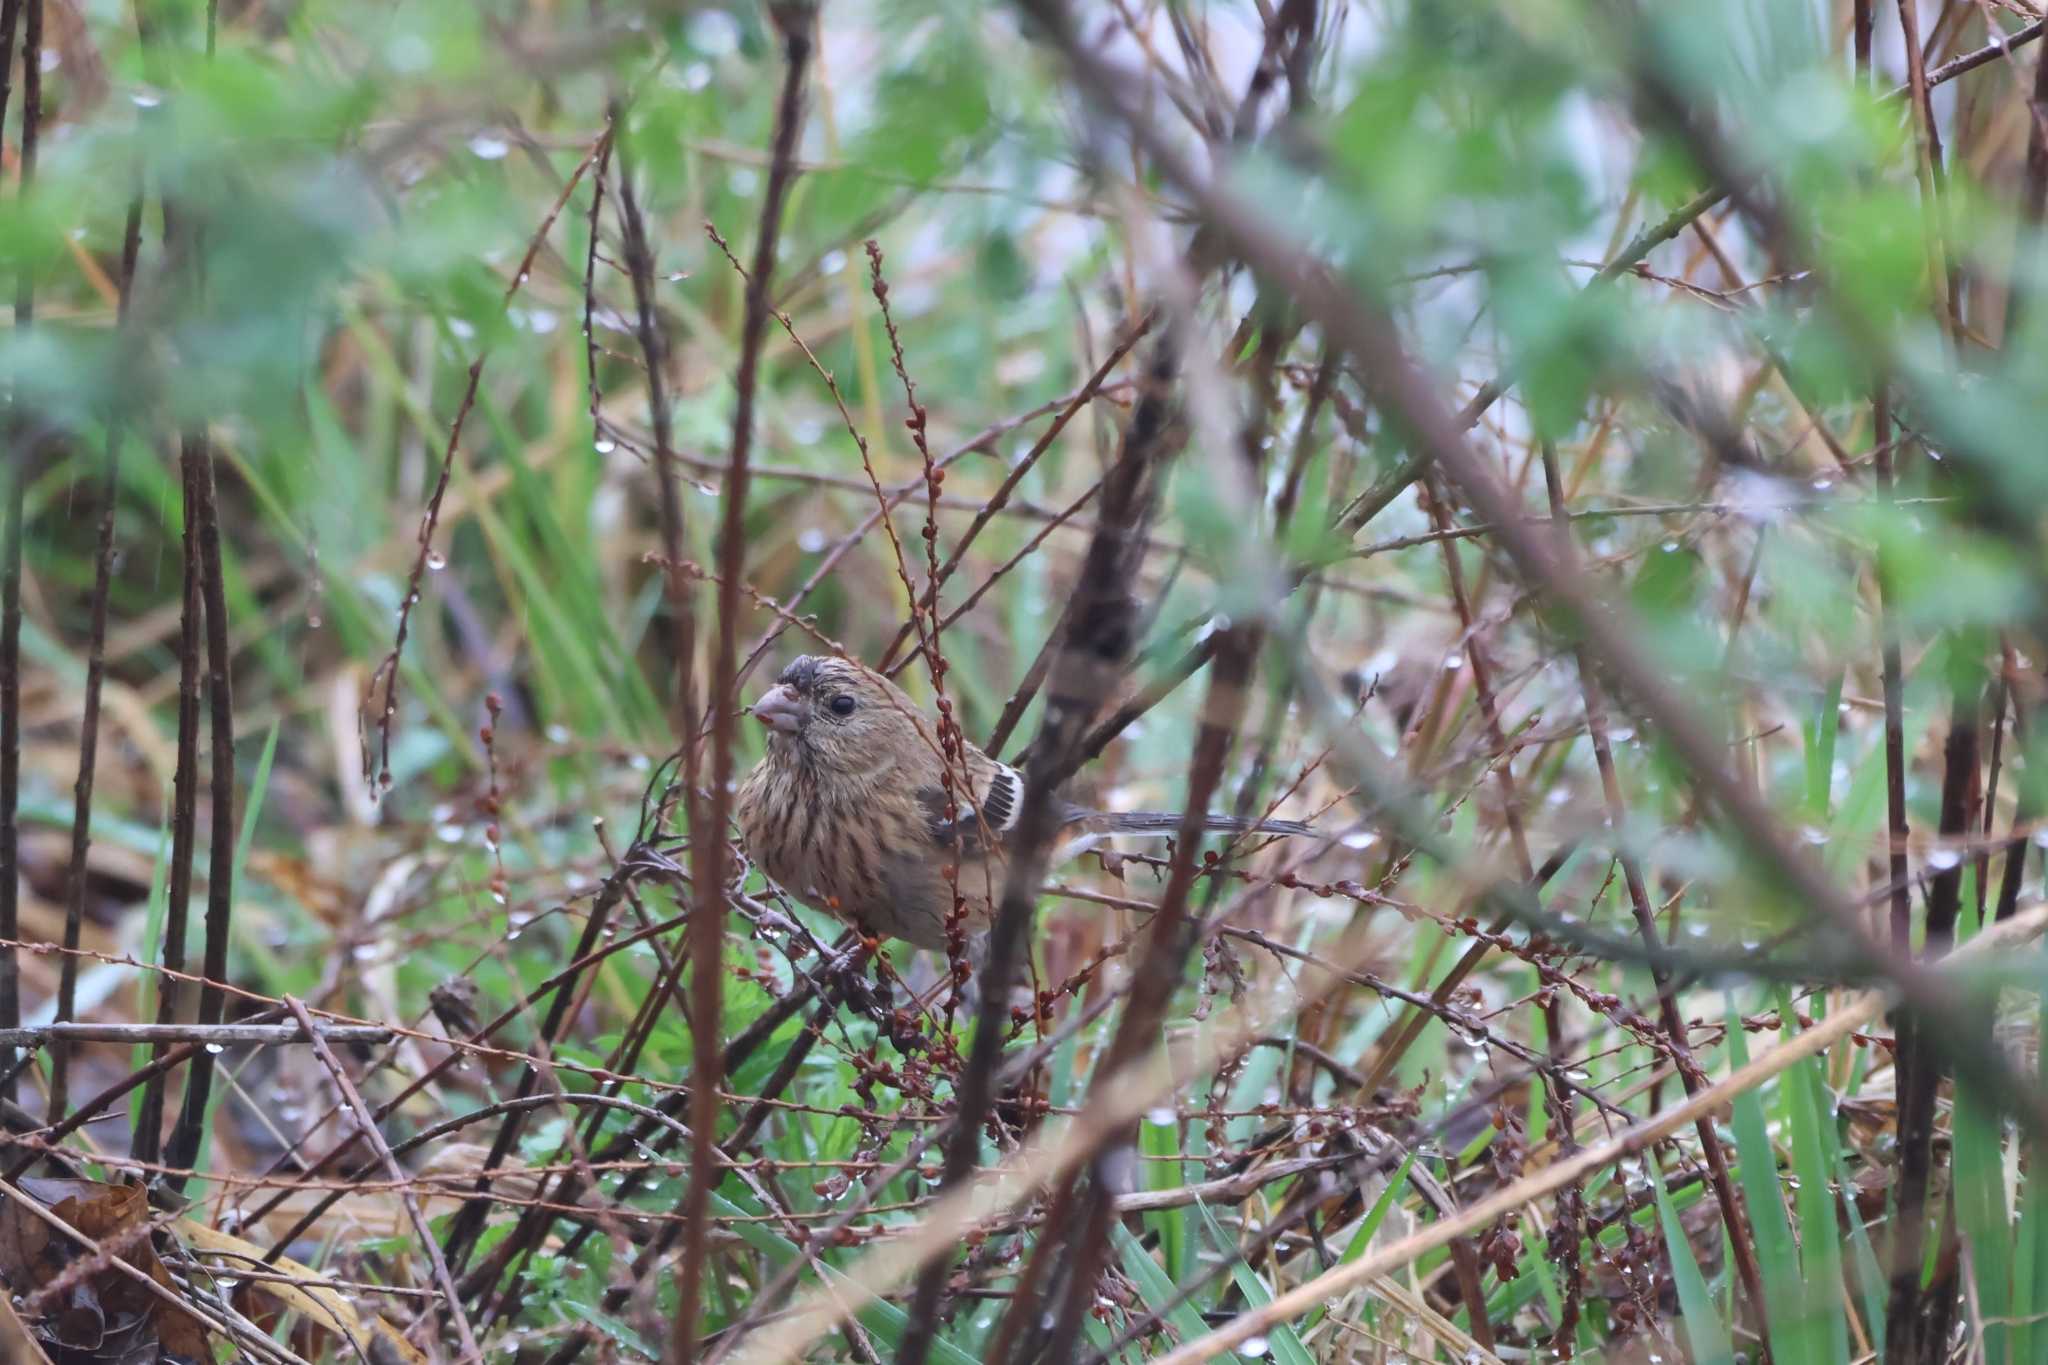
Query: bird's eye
842, 705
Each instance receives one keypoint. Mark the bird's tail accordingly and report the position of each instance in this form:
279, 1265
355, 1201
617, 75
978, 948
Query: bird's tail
1168, 822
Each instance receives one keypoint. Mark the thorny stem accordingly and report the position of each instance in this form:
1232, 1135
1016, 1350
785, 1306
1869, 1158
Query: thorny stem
654, 353
995, 502
924, 615
377, 761
982, 441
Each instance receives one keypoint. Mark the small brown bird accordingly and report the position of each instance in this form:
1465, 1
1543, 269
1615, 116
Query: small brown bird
848, 811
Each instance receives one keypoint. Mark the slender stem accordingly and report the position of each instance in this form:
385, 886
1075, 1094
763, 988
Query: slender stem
639, 256
15, 476
89, 721
22, 440
708, 847
220, 866
218, 1035
148, 1140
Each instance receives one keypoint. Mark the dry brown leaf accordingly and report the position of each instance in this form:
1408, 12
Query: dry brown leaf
307, 1293
104, 1311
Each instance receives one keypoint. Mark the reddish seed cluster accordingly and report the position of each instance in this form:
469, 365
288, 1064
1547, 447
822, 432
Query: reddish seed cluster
491, 801
1502, 1249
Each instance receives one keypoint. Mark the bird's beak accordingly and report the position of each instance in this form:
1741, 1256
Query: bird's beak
779, 709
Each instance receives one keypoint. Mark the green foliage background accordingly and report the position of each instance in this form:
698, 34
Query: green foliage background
358, 189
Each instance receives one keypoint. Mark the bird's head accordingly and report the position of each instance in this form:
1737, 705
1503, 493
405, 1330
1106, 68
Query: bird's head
829, 712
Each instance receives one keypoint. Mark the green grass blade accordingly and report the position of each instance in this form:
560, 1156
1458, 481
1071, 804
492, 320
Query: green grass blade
152, 950
1703, 1326
1802, 1100
1170, 1226
1821, 734
252, 804
1155, 1289
1777, 1254
1981, 1216
1370, 1224
1286, 1347
1871, 1288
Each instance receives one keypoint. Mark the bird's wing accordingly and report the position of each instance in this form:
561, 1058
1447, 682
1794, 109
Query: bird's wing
981, 817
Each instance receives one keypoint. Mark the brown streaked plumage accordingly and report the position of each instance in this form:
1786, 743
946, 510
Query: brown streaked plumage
848, 812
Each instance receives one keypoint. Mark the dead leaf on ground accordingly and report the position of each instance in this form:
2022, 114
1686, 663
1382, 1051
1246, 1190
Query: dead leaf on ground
306, 1292
88, 1308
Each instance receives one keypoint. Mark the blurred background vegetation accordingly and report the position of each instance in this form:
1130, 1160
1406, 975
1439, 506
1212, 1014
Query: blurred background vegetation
1737, 305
